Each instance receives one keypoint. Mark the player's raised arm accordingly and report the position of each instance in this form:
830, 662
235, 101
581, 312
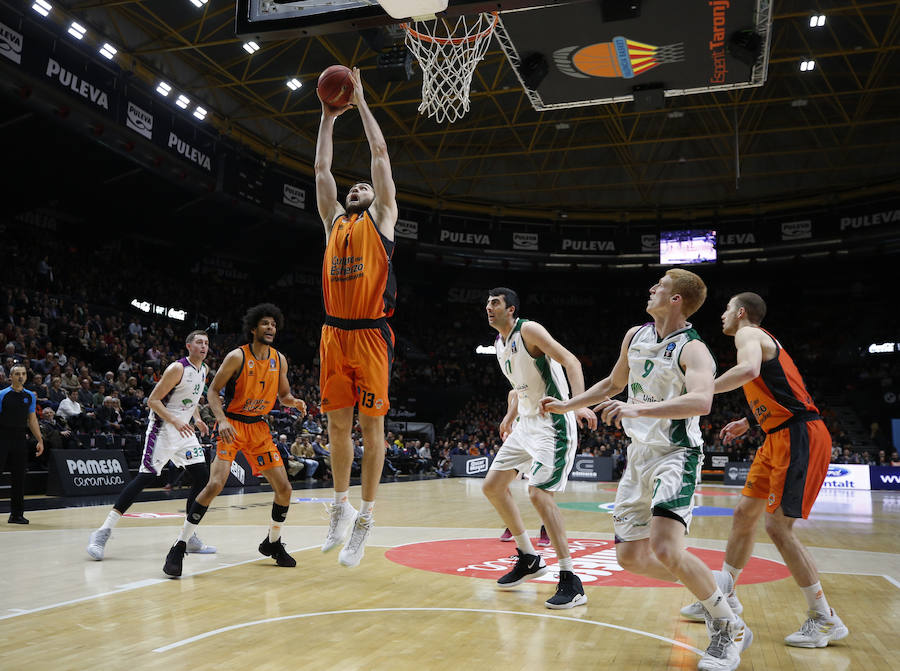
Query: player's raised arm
749, 360
609, 386
385, 205
326, 187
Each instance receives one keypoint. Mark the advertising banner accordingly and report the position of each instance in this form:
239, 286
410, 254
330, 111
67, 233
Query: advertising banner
588, 468
884, 477
241, 474
87, 472
736, 473
465, 466
847, 476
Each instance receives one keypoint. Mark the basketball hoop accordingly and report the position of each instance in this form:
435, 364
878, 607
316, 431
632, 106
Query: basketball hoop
448, 51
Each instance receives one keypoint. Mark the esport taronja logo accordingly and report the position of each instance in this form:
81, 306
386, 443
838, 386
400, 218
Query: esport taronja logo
594, 561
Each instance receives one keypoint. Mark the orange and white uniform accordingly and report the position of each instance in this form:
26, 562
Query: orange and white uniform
249, 396
359, 292
790, 467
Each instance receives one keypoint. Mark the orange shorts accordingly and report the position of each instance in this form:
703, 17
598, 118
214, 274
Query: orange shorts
790, 467
255, 441
356, 369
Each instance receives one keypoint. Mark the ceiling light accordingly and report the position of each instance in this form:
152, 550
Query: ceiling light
807, 66
42, 7
799, 102
675, 114
817, 21
251, 47
294, 84
183, 101
200, 113
77, 30
163, 89
199, 3
108, 50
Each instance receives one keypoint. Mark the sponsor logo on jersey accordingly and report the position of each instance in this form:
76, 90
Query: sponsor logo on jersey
272, 364
670, 349
513, 347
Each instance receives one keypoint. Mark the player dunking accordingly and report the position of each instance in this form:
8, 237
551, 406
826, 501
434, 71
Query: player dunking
787, 471
536, 366
669, 373
357, 346
170, 437
253, 377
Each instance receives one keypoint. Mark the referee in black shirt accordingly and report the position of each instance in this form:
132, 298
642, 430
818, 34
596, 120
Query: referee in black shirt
17, 413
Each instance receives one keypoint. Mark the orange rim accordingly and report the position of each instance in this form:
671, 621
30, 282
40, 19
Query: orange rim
453, 40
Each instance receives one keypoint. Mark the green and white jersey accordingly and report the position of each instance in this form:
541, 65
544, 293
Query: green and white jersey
532, 378
655, 375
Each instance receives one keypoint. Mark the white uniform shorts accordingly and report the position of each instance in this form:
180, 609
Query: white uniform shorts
163, 443
655, 477
543, 445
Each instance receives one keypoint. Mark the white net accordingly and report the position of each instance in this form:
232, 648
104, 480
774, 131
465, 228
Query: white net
448, 51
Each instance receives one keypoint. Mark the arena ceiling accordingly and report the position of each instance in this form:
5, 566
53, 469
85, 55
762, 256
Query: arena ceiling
828, 132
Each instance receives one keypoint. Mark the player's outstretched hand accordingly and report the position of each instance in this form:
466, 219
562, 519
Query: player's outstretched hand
203, 426
734, 429
554, 405
586, 417
613, 412
358, 96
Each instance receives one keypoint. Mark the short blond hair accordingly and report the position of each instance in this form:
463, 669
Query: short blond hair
690, 287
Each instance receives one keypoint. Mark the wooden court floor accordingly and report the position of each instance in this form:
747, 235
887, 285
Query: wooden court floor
424, 596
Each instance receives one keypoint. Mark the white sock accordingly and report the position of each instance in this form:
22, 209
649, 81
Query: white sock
524, 543
112, 520
341, 497
815, 599
733, 572
187, 531
367, 508
274, 531
566, 565
717, 606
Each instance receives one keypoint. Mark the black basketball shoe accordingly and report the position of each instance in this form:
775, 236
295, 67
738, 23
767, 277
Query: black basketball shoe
569, 592
528, 567
174, 559
277, 552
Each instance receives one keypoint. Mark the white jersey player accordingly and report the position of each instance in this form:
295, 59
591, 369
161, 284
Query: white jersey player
536, 366
669, 374
170, 437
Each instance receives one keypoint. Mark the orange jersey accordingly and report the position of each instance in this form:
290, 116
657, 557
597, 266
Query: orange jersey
252, 392
357, 277
779, 394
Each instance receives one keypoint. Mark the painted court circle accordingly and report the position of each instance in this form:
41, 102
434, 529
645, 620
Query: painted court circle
594, 561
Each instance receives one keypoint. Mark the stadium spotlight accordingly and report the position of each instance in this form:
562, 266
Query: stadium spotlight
42, 7
251, 47
199, 3
200, 113
108, 50
163, 89
807, 66
294, 84
816, 20
183, 101
76, 30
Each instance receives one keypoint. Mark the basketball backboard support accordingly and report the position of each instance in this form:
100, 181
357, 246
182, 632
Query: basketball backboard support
563, 51
262, 20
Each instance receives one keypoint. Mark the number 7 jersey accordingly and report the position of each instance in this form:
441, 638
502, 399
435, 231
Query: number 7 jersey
253, 390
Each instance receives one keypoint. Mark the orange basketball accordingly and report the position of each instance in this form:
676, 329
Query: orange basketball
335, 86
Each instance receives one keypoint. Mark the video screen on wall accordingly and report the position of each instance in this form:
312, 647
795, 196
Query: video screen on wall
694, 246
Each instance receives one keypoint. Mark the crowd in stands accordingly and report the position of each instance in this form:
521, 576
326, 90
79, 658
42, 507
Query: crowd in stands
92, 360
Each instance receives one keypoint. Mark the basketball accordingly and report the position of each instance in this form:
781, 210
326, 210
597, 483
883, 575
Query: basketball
335, 86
